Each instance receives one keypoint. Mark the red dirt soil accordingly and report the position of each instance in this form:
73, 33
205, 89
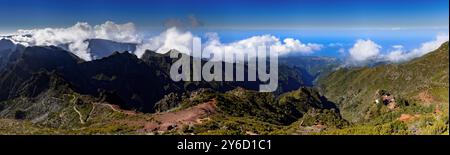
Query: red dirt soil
175, 120
425, 97
407, 117
116, 108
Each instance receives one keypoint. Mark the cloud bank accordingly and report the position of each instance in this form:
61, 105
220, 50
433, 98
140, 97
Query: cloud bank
401, 55
74, 39
173, 38
281, 47
367, 51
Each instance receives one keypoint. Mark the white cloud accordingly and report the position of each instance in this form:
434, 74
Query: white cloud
364, 50
397, 46
5, 33
173, 38
285, 47
74, 37
401, 55
117, 32
335, 45
430, 45
396, 56
295, 46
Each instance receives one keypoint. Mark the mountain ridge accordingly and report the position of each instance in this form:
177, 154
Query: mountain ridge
382, 94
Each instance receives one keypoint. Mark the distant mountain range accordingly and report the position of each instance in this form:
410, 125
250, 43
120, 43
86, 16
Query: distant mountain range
139, 83
97, 48
47, 89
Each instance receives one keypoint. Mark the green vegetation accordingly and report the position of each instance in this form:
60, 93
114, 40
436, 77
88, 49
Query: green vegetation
355, 90
225, 125
417, 92
284, 110
424, 125
395, 99
324, 117
197, 97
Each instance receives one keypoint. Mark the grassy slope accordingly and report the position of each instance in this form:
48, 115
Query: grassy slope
239, 112
355, 91
250, 112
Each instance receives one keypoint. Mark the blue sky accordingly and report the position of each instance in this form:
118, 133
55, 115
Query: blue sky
388, 22
229, 13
